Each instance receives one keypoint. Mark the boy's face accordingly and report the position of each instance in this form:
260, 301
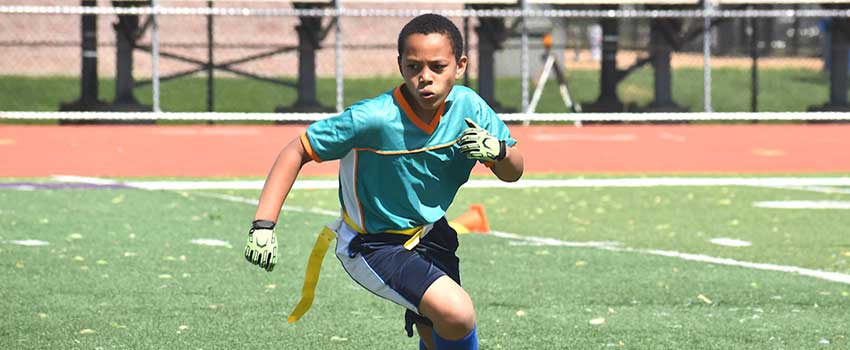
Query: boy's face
429, 69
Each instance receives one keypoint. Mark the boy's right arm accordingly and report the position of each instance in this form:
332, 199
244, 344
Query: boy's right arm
280, 180
261, 248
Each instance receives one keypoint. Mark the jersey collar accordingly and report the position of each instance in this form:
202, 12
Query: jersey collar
408, 111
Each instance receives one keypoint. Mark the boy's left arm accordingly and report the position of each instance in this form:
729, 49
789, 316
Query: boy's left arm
505, 161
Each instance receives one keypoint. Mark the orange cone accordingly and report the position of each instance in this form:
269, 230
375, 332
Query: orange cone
473, 220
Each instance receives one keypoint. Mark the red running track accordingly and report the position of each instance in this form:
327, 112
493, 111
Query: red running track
250, 150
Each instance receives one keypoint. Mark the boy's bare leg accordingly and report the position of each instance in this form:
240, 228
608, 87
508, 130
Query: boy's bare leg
425, 333
449, 307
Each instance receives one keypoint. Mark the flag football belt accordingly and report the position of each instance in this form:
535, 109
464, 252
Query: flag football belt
317, 255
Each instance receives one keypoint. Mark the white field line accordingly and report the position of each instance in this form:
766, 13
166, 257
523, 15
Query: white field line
818, 189
196, 185
829, 276
729, 242
30, 242
610, 246
551, 241
211, 242
255, 202
84, 179
781, 182
803, 204
613, 246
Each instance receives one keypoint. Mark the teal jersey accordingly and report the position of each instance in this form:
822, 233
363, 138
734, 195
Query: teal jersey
396, 172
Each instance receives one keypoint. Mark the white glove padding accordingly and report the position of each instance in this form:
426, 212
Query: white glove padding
261, 249
476, 143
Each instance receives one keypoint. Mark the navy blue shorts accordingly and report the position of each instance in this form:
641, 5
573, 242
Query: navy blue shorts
379, 263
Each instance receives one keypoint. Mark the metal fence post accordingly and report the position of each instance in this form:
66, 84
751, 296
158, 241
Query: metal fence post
706, 51
155, 57
524, 58
338, 58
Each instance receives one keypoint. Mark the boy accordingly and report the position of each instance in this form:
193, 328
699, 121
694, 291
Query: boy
403, 156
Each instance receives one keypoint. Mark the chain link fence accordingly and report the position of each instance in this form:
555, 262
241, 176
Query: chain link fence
214, 57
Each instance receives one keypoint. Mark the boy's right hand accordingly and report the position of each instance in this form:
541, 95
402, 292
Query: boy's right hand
476, 143
261, 249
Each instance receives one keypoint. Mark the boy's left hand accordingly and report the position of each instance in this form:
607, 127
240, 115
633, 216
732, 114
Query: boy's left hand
476, 143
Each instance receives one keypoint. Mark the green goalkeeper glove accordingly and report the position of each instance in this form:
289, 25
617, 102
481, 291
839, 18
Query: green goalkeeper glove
261, 248
476, 143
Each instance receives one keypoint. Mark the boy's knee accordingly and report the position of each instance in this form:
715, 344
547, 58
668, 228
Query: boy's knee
449, 307
454, 311
461, 319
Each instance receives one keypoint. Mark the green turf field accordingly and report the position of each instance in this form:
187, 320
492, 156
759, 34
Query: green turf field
780, 91
120, 272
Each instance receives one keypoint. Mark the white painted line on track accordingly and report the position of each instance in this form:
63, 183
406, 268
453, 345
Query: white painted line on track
825, 275
616, 182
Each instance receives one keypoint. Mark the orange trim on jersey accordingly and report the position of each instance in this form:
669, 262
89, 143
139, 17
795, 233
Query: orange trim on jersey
408, 111
309, 148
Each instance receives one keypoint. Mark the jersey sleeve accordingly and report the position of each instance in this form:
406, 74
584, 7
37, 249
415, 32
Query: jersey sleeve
331, 138
494, 125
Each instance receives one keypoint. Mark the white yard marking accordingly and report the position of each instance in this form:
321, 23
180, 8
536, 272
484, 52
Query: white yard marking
194, 185
30, 242
211, 242
256, 202
639, 182
825, 275
819, 189
803, 204
197, 185
226, 185
228, 197
730, 242
526, 240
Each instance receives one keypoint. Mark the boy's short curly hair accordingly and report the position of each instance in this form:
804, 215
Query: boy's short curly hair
432, 23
